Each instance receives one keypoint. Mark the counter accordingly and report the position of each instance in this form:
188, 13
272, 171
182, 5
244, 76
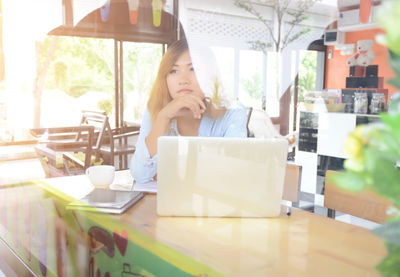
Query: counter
50, 240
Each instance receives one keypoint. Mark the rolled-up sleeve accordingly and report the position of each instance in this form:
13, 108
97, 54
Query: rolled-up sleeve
143, 167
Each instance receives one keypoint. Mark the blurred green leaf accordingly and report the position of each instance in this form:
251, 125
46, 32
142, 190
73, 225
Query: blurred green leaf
394, 61
380, 153
354, 165
387, 16
390, 266
383, 176
394, 105
390, 232
349, 180
390, 141
394, 82
393, 122
381, 39
383, 148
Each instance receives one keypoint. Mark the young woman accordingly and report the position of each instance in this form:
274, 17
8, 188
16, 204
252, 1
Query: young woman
178, 106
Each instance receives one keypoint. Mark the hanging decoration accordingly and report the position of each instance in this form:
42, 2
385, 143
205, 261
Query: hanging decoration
105, 11
133, 11
157, 8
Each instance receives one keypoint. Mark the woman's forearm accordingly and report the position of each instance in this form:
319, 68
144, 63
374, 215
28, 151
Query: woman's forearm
160, 126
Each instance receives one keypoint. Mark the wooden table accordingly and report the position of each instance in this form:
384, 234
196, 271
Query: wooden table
303, 244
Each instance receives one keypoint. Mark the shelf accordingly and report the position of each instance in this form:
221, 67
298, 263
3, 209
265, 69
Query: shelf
359, 27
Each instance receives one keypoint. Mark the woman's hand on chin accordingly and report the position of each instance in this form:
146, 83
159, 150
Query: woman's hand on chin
184, 105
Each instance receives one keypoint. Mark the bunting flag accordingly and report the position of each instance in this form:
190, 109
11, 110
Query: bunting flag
133, 11
105, 11
157, 8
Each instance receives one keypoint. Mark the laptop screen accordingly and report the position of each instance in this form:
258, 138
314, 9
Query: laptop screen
203, 176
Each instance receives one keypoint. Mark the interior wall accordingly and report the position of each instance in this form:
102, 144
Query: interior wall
337, 70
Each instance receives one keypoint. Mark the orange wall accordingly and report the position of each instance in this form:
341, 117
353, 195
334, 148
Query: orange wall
337, 70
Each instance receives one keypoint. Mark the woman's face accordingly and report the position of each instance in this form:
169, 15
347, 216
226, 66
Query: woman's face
182, 78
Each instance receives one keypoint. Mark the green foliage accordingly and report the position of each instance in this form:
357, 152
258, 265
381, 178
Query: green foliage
141, 64
395, 65
259, 45
375, 153
375, 149
80, 65
392, 121
77, 90
390, 232
253, 85
390, 266
60, 75
141, 61
351, 181
388, 18
105, 105
307, 73
394, 61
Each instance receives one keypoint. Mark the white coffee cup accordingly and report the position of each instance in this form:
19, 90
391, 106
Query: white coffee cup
101, 176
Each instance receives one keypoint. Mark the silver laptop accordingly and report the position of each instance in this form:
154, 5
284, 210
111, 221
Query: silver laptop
220, 177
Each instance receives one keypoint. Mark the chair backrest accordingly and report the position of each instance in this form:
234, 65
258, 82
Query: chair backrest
103, 133
364, 204
122, 145
291, 185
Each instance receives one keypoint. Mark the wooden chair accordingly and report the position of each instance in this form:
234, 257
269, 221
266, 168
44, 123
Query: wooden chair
364, 204
102, 135
62, 154
121, 144
291, 186
110, 143
102, 130
56, 141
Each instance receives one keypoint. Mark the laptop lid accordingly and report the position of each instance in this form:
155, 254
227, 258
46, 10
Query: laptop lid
221, 177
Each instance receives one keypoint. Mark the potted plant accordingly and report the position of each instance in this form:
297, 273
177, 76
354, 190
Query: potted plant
374, 149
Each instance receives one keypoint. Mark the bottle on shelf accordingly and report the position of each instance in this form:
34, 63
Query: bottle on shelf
360, 102
377, 103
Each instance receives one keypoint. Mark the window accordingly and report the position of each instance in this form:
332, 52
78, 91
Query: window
80, 76
141, 62
307, 72
273, 81
250, 76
